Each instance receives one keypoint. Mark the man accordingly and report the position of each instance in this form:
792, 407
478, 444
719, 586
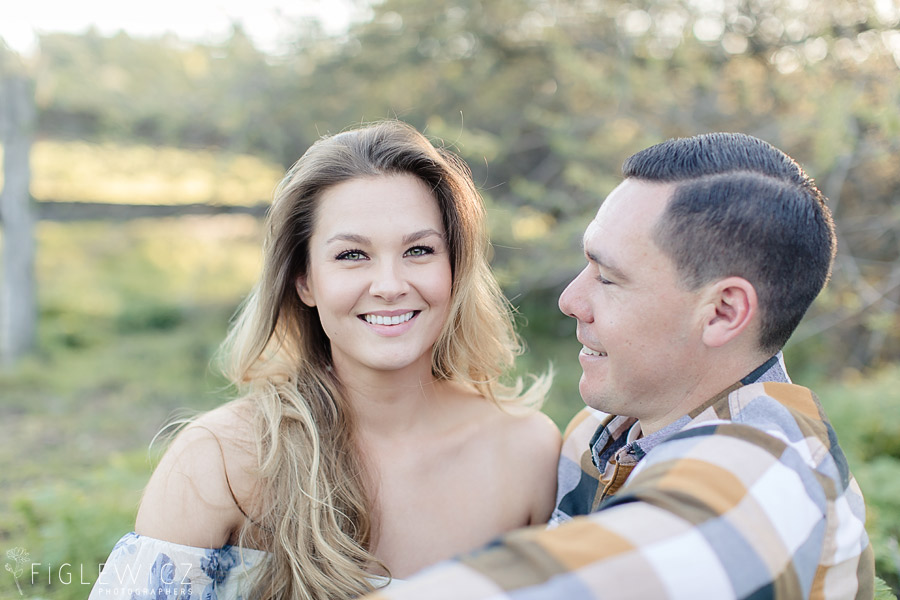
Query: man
698, 470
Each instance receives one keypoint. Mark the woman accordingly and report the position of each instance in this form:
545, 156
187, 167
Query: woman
372, 436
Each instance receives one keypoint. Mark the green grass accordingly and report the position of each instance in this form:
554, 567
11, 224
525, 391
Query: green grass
76, 424
130, 319
131, 315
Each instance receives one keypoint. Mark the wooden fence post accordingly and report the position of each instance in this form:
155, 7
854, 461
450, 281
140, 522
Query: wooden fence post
18, 298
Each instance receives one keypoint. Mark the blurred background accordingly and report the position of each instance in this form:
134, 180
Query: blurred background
141, 147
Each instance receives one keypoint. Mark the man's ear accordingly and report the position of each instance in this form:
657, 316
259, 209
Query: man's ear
306, 295
731, 309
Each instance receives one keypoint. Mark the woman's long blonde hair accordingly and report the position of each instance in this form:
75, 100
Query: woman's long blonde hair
313, 507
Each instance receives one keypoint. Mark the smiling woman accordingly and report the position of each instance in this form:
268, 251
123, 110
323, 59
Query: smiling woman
378, 255
372, 436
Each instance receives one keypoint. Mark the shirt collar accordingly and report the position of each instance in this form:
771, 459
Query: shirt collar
771, 370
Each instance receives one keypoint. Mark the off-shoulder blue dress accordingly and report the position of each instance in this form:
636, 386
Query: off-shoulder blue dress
145, 568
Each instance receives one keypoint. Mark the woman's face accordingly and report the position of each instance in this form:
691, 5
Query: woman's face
379, 273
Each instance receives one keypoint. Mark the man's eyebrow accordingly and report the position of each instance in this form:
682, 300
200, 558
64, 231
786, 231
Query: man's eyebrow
610, 268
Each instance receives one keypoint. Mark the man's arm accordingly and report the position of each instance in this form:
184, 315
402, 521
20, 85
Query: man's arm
718, 511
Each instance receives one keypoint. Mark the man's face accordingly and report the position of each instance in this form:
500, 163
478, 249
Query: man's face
639, 328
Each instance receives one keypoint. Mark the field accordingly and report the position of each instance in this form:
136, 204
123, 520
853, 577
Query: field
131, 316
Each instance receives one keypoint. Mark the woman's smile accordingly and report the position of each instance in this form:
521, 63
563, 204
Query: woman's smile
379, 273
388, 319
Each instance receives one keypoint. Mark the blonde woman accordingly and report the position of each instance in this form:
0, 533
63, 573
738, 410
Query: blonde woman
372, 436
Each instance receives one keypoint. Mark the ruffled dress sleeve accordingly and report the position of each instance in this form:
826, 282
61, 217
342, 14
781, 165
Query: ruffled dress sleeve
145, 568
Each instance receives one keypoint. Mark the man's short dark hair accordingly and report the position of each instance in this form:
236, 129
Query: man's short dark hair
742, 207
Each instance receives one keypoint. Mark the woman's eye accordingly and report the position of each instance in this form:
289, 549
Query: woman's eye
603, 280
419, 251
351, 255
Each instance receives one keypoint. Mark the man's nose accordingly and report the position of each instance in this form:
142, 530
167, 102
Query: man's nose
572, 301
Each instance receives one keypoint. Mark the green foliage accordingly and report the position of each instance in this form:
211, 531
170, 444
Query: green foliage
545, 100
69, 526
879, 482
863, 412
883, 591
140, 317
130, 351
78, 171
876, 430
550, 344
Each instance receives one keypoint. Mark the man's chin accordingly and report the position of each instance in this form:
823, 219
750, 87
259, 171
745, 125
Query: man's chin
594, 398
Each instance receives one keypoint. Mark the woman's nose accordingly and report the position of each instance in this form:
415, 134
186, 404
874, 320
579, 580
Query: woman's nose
389, 281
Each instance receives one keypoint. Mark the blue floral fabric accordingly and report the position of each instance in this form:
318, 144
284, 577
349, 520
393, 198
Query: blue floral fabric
145, 568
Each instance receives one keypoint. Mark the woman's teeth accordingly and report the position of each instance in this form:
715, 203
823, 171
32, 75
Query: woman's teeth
396, 320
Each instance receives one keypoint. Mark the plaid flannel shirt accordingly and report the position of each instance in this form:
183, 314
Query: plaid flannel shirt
749, 496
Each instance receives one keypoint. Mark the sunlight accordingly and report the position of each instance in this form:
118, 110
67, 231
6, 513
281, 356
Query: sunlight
267, 22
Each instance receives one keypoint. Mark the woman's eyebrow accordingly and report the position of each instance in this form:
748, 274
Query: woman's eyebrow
361, 239
348, 237
418, 235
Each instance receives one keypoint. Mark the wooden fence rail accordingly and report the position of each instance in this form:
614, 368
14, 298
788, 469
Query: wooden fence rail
51, 210
19, 214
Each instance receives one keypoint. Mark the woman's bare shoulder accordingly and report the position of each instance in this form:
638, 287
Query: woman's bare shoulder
532, 436
198, 493
530, 445
521, 430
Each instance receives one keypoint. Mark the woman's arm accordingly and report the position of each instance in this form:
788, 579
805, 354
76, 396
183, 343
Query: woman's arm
536, 458
196, 494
